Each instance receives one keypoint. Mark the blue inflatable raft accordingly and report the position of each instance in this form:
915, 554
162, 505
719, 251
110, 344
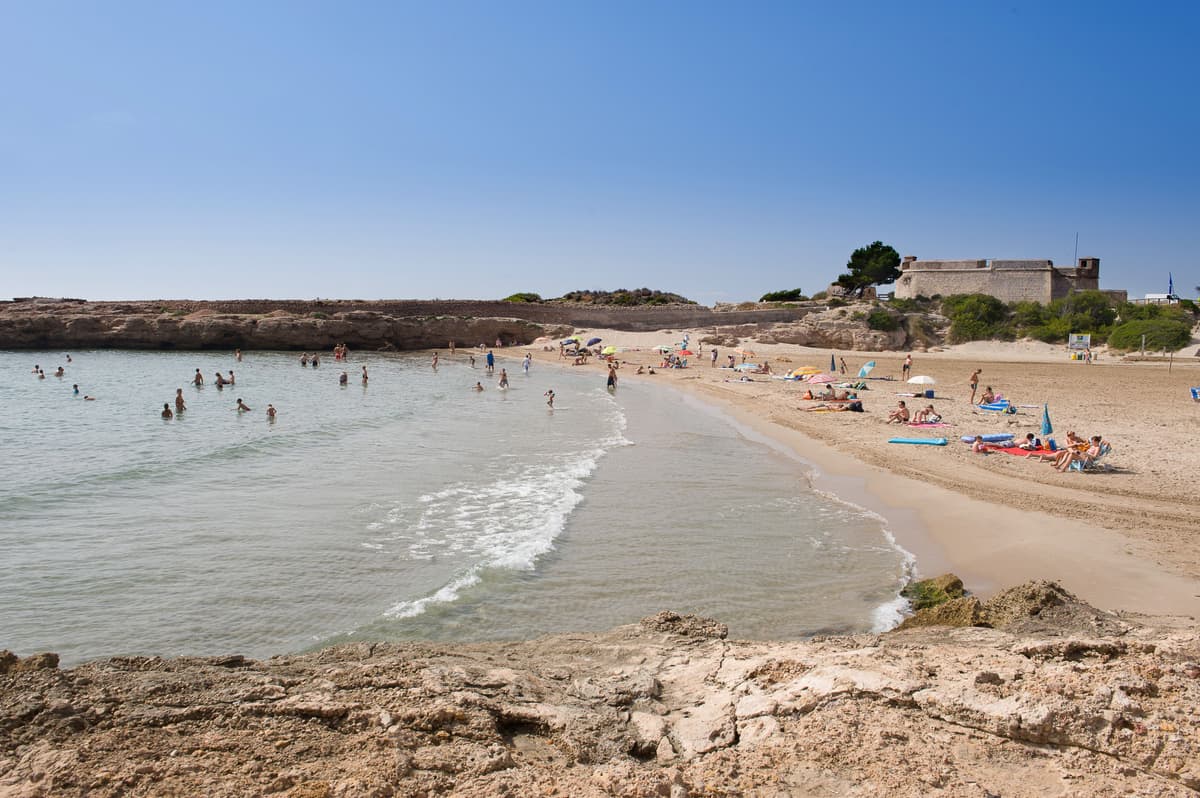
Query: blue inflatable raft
926, 441
994, 437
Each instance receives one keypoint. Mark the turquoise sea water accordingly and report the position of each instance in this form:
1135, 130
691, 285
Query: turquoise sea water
413, 507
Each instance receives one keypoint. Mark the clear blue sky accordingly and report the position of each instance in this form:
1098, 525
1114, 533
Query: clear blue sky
473, 149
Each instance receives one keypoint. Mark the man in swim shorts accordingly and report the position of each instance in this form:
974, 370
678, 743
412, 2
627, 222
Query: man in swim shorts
241, 407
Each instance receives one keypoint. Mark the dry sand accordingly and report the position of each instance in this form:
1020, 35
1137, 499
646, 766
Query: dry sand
1123, 539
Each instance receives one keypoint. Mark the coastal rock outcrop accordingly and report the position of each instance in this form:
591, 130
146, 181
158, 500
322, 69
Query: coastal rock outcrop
665, 707
844, 328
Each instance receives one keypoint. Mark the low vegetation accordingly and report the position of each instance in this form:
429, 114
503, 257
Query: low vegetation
626, 297
792, 295
976, 317
523, 297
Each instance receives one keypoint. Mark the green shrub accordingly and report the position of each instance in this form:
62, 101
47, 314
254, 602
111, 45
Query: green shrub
316, 314
523, 297
793, 295
976, 317
882, 320
911, 305
1161, 333
858, 315
836, 302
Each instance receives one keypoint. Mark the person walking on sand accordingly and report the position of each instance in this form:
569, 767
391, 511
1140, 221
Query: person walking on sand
842, 364
713, 363
179, 403
906, 369
549, 398
451, 349
975, 384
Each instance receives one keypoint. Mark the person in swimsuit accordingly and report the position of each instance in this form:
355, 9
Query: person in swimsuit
179, 404
491, 362
241, 407
220, 380
230, 380
906, 369
975, 384
60, 372
478, 387
271, 412
549, 398
304, 359
76, 389
237, 355
612, 378
316, 360
166, 413
198, 379
528, 362
364, 376
503, 378
435, 361
344, 379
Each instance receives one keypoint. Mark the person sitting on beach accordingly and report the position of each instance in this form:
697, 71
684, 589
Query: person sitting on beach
166, 413
580, 361
639, 370
1031, 443
900, 414
922, 416
732, 362
978, 446
988, 396
1086, 457
650, 370
241, 407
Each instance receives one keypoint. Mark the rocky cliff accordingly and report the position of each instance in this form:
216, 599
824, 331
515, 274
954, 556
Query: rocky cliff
1062, 700
293, 324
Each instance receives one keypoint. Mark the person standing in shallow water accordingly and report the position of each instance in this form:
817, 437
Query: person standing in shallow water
198, 379
549, 398
491, 362
241, 407
166, 413
503, 378
527, 363
435, 361
179, 403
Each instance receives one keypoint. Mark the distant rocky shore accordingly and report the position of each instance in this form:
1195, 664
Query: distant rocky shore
401, 325
1054, 697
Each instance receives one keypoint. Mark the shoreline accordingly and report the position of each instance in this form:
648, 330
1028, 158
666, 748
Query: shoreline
989, 545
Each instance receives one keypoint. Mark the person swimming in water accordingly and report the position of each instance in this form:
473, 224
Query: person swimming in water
179, 404
75, 387
60, 372
166, 413
503, 378
478, 387
241, 407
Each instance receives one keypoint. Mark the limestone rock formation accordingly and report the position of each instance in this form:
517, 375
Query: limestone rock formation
666, 707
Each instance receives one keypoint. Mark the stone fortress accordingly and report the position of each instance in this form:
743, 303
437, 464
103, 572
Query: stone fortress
1007, 280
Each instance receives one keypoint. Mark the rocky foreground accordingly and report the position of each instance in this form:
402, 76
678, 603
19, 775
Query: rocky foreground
1059, 699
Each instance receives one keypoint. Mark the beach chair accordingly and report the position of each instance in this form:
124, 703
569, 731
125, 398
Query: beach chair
1093, 464
1196, 394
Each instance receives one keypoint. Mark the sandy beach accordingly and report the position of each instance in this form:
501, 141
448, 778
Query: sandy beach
1123, 538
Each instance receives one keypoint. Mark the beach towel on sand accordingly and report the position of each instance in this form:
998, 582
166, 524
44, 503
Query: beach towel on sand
1016, 450
929, 424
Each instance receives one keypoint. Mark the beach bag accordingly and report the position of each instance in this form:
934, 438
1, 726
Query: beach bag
855, 407
1051, 445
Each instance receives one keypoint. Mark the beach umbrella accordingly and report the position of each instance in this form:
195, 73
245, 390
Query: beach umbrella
822, 379
800, 371
664, 348
609, 350
922, 380
832, 363
866, 368
1046, 428
592, 342
685, 353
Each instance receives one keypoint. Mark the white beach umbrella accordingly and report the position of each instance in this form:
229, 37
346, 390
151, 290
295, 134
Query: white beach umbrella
922, 380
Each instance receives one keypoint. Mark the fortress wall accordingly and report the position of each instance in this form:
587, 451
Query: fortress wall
1007, 286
